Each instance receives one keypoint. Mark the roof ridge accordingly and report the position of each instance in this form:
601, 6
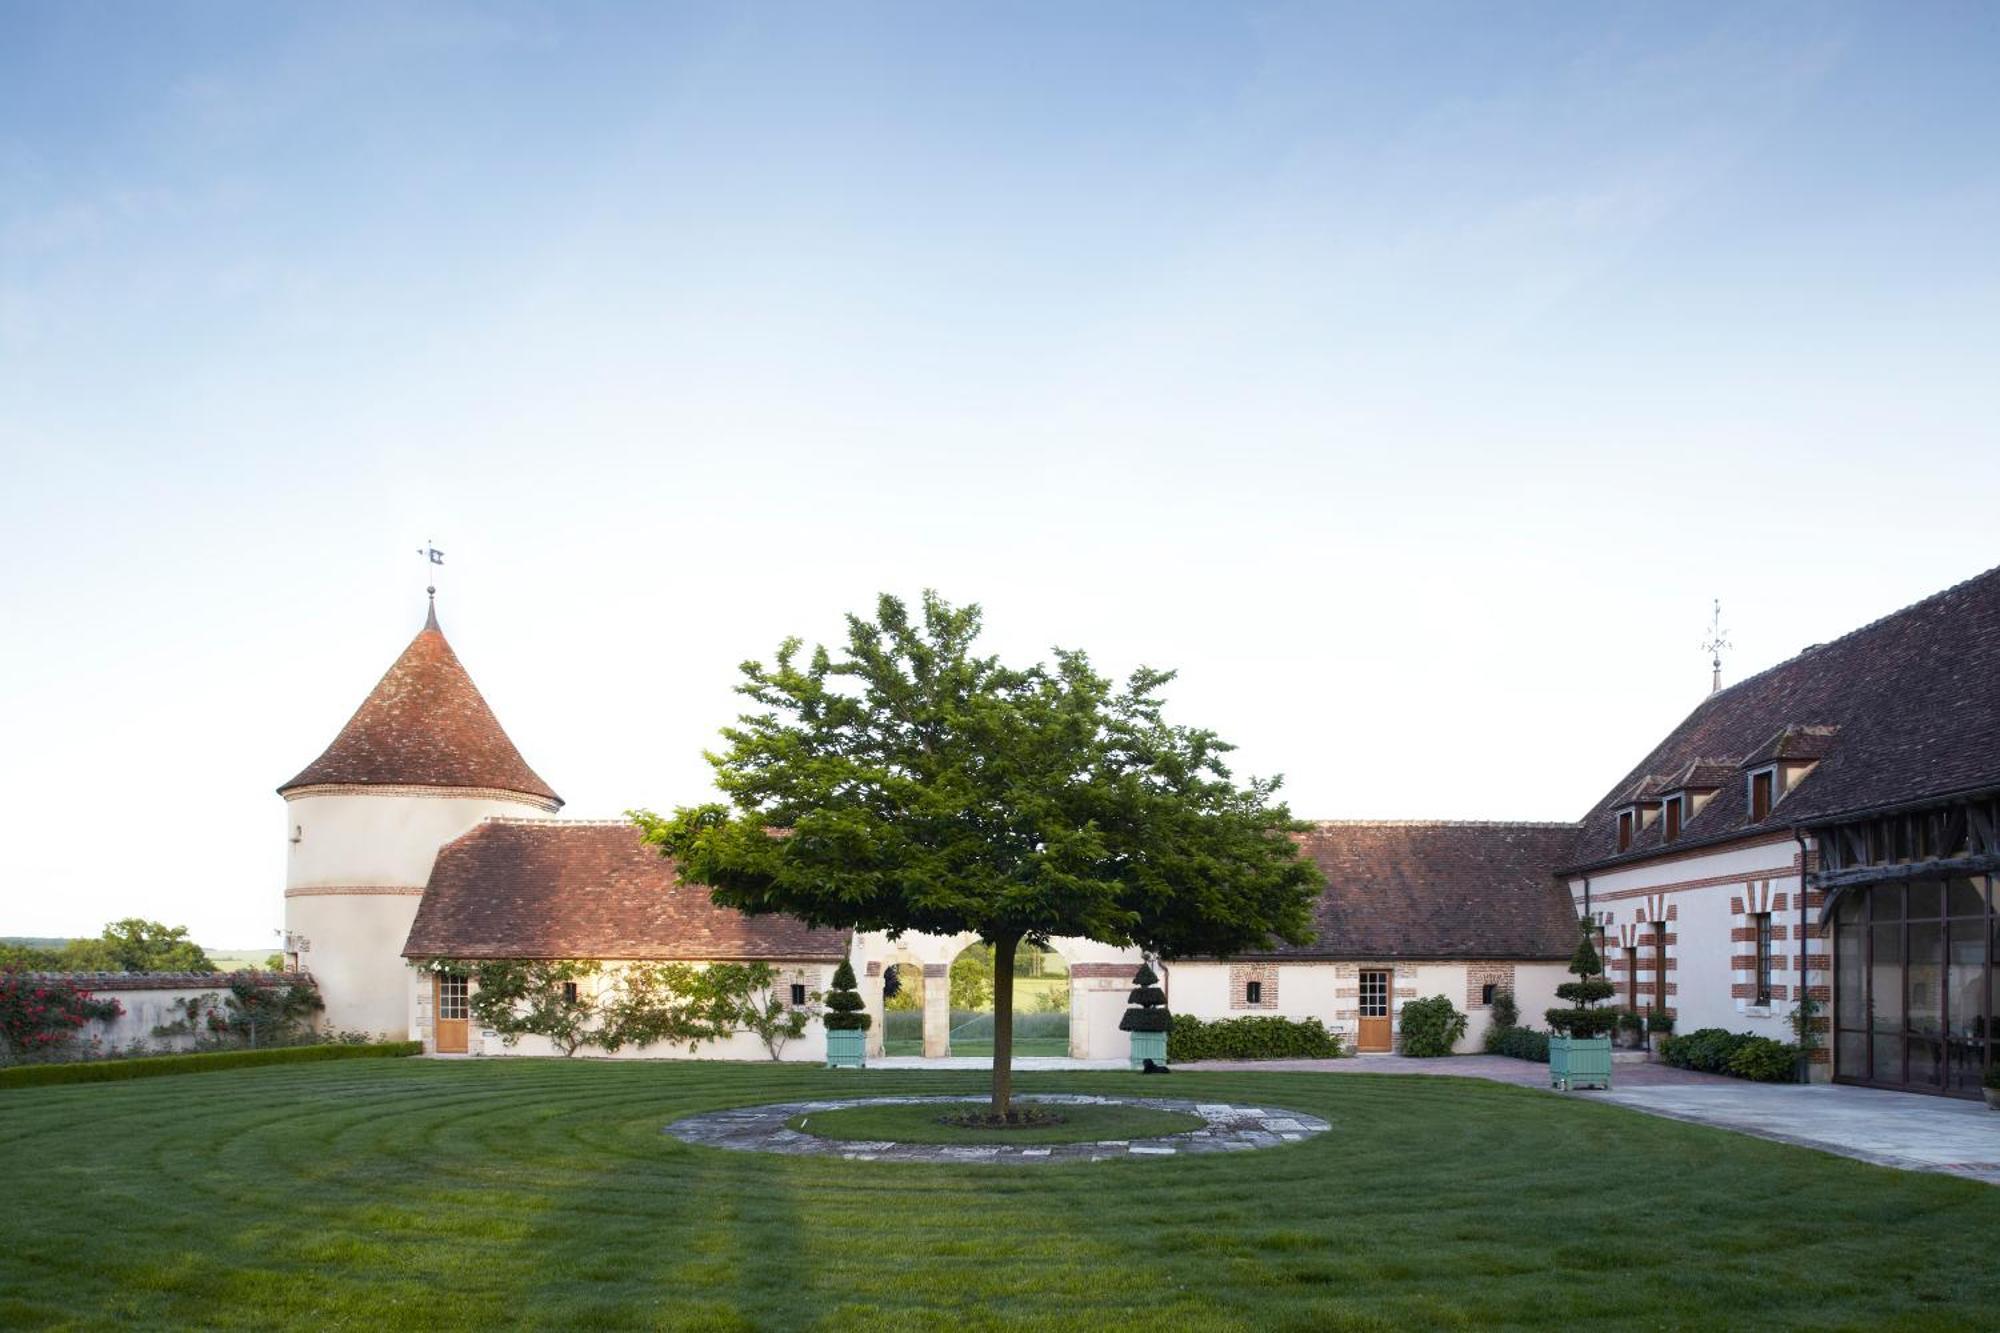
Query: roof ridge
566, 823
1443, 823
1856, 632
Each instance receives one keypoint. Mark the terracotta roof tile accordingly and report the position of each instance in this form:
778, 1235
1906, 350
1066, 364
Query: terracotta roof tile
425, 724
1437, 889
555, 889
1899, 712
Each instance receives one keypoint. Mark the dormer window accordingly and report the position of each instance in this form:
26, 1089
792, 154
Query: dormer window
1671, 814
1627, 821
1763, 794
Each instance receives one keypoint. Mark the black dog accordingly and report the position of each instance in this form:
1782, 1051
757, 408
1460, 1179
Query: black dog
1154, 1067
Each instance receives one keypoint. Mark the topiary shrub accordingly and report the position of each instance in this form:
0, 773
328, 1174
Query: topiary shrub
1252, 1037
1583, 1018
1431, 1028
1765, 1061
846, 1011
1147, 1004
1505, 1010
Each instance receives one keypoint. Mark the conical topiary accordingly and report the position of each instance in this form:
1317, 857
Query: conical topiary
1148, 1004
846, 1011
1583, 1018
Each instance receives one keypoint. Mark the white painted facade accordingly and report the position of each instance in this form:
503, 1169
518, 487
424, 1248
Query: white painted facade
809, 1047
357, 862
1328, 990
1707, 898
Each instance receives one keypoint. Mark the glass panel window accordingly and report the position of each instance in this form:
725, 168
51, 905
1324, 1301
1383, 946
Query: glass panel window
1374, 994
1253, 992
1764, 958
1885, 983
1850, 980
1761, 785
1926, 898
1926, 977
1885, 902
1964, 897
451, 997
1851, 1055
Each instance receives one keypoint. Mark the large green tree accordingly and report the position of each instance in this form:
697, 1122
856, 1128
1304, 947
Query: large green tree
137, 945
904, 782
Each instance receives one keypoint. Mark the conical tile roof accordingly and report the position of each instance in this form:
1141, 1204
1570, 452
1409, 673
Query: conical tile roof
425, 724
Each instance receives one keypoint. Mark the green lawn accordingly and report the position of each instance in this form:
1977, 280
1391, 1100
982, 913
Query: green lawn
920, 1123
517, 1193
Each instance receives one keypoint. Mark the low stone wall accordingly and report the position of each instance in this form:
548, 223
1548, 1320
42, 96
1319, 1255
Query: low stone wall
149, 1000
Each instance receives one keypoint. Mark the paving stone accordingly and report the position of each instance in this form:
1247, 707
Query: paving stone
1227, 1129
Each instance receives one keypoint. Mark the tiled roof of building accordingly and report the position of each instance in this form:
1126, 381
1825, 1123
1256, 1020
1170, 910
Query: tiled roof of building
1794, 743
1899, 712
1703, 775
532, 888
1438, 889
425, 724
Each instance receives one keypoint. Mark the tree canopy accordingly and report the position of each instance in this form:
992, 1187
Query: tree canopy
131, 945
906, 783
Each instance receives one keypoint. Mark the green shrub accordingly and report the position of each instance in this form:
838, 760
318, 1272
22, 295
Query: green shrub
1253, 1037
1993, 1075
846, 1011
1147, 1004
1583, 1017
149, 1066
1505, 1011
1520, 1043
1706, 1050
1431, 1027
1765, 1061
1659, 1022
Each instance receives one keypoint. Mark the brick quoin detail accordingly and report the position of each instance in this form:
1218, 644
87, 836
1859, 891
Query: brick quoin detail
1240, 977
1478, 976
1088, 971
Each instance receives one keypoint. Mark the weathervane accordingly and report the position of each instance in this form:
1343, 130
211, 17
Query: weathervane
1717, 640
435, 557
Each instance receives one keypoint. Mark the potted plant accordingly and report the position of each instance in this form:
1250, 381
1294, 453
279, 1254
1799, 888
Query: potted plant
1993, 1085
847, 1022
1580, 1036
1146, 1018
1659, 1026
1631, 1030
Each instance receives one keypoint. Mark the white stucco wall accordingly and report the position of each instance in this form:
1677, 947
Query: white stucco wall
1327, 991
357, 862
808, 1047
1693, 894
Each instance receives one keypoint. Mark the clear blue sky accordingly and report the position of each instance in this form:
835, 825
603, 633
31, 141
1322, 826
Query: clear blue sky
1410, 376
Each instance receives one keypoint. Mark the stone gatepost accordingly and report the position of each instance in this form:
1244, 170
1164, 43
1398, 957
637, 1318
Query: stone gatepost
937, 1010
871, 995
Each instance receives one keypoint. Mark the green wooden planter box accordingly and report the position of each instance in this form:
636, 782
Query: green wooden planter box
846, 1048
1579, 1062
1148, 1046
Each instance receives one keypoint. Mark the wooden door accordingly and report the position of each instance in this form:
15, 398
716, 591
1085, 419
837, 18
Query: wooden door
448, 996
1375, 1034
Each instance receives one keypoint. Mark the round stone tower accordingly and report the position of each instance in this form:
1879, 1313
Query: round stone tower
420, 762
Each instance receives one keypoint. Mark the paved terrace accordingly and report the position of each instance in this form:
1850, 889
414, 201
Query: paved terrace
1896, 1129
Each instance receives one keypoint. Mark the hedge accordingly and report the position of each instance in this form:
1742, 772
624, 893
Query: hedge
1740, 1054
150, 1066
1521, 1043
1252, 1037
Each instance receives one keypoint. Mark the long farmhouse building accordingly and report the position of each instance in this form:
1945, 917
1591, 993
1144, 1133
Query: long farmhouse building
1826, 831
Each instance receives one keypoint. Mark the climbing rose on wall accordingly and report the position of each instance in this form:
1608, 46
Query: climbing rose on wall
39, 1015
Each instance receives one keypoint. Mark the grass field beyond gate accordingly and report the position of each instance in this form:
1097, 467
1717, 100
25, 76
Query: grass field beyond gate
420, 1193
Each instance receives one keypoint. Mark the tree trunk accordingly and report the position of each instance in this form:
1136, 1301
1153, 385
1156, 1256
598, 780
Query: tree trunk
1003, 1022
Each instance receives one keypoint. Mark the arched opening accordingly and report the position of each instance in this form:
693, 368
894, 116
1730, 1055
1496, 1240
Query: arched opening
1041, 1001
903, 1009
